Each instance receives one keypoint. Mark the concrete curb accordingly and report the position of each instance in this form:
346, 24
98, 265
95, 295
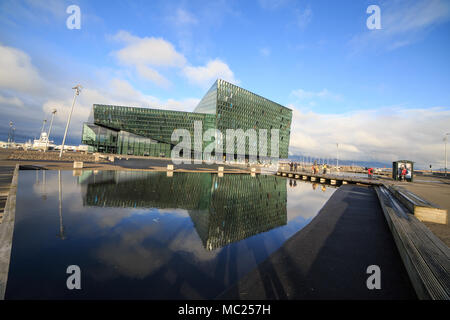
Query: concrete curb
6, 232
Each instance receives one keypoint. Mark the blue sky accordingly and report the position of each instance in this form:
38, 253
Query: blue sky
382, 94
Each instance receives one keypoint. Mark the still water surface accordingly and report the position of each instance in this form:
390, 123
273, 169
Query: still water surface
144, 235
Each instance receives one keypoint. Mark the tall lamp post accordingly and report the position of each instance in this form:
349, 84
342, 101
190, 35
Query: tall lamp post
337, 156
76, 93
49, 129
9, 133
43, 127
445, 139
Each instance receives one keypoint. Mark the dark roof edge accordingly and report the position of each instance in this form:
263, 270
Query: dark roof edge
165, 110
253, 93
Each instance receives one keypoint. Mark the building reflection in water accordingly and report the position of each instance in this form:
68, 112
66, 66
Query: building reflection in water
223, 209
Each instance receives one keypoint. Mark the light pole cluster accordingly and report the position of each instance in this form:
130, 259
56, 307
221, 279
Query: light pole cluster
49, 129
77, 89
11, 132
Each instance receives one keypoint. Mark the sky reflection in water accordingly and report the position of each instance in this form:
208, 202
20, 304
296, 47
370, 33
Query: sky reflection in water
143, 235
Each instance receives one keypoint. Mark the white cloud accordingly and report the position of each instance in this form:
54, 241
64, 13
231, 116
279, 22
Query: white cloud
148, 54
144, 54
382, 135
206, 75
17, 72
402, 22
148, 51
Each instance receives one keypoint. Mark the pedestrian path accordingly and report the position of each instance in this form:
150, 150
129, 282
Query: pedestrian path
328, 259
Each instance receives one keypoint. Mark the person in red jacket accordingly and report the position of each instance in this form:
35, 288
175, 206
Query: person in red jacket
404, 172
370, 173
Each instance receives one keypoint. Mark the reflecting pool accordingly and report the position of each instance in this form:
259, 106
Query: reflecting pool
147, 235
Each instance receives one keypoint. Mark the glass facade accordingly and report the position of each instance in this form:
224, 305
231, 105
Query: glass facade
144, 131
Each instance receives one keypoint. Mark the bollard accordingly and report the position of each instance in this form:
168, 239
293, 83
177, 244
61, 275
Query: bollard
78, 165
220, 169
170, 167
111, 158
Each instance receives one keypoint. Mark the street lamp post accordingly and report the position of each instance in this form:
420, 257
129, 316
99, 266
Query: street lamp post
49, 130
43, 126
76, 93
337, 156
9, 133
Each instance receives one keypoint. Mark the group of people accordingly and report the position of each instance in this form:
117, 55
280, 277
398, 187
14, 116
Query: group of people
293, 166
315, 168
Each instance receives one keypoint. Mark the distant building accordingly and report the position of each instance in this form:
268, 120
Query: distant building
148, 132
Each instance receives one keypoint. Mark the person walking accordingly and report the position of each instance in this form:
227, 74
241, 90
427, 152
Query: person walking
295, 166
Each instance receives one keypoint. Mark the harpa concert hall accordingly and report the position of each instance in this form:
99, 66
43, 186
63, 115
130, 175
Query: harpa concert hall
148, 132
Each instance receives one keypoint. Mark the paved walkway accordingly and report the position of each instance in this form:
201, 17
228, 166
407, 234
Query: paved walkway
134, 163
437, 191
328, 258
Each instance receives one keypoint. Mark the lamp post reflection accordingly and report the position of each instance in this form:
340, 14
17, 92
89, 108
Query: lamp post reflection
61, 226
44, 193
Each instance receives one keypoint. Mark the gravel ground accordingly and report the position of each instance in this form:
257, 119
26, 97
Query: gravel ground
50, 156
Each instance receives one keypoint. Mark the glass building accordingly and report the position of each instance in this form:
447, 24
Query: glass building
148, 132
